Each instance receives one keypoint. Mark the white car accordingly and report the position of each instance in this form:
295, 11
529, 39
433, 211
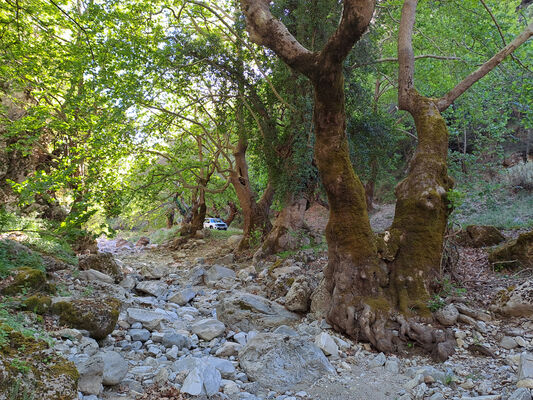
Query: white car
215, 223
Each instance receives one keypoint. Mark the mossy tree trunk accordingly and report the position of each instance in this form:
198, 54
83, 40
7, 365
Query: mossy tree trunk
421, 211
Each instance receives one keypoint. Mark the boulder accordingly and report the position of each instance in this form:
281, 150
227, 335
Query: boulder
153, 288
149, 319
299, 296
182, 297
516, 302
101, 262
38, 373
98, 316
280, 362
480, 236
234, 240
208, 329
516, 253
25, 279
246, 312
115, 368
217, 273
92, 275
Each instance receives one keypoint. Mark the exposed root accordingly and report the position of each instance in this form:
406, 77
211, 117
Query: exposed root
391, 333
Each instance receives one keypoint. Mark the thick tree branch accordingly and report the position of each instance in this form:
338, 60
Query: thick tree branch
356, 16
406, 56
444, 102
267, 30
395, 59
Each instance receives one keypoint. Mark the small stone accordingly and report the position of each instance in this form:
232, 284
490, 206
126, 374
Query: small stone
447, 315
231, 388
508, 343
228, 349
521, 341
139, 334
436, 396
468, 384
176, 339
377, 361
392, 366
240, 338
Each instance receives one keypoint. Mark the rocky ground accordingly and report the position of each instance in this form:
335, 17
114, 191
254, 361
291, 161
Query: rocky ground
197, 323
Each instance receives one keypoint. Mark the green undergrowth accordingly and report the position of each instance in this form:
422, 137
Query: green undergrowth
28, 324
496, 208
34, 233
215, 234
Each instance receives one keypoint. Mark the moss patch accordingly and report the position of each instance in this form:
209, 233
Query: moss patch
38, 303
26, 279
99, 317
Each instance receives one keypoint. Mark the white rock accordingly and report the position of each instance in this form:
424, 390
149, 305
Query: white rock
154, 288
193, 384
228, 349
208, 329
183, 297
326, 343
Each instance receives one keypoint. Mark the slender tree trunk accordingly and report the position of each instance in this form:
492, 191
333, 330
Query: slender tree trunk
255, 213
232, 213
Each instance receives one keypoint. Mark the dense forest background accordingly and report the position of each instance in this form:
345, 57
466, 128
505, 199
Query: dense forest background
129, 117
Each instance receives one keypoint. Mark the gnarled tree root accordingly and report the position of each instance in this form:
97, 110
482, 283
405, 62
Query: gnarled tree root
391, 333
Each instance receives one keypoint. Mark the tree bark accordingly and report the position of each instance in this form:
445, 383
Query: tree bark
255, 213
232, 213
288, 223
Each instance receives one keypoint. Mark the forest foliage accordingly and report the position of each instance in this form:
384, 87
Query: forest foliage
116, 113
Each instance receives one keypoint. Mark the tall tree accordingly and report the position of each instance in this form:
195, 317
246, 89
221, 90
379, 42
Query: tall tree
382, 302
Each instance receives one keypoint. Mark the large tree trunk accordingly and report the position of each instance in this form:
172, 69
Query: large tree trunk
421, 212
